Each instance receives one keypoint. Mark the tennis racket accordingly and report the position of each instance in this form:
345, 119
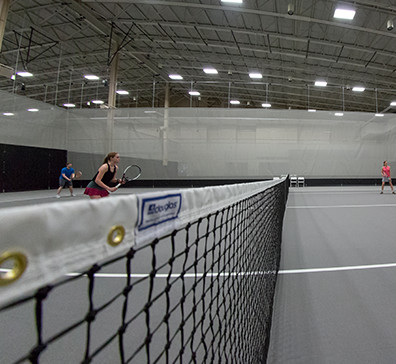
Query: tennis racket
130, 173
78, 174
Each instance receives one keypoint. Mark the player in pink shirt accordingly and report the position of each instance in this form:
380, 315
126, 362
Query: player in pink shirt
386, 177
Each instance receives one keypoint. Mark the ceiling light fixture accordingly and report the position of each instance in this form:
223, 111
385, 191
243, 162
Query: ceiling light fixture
25, 74
235, 102
97, 102
8, 113
32, 110
358, 89
232, 1
321, 83
393, 103
379, 115
311, 110
122, 92
194, 93
255, 75
175, 77
339, 114
210, 71
347, 14
91, 77
69, 105
266, 104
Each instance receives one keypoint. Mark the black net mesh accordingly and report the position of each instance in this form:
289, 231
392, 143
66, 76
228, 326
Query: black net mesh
205, 296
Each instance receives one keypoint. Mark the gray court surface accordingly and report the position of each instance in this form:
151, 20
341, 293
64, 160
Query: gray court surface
67, 305
11, 199
336, 294
336, 291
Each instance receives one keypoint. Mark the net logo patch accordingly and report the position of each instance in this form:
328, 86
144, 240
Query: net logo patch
157, 210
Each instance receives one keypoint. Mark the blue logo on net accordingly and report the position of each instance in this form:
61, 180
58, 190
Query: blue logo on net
157, 210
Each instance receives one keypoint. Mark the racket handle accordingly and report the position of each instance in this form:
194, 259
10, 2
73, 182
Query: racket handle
118, 185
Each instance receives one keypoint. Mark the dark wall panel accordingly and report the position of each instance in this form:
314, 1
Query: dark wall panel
56, 161
30, 168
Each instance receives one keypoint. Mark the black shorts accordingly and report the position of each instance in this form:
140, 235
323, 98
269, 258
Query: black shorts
65, 183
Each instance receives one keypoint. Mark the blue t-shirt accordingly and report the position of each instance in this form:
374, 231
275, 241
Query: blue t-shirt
67, 172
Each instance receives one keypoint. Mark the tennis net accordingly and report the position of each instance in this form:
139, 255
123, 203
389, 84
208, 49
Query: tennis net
183, 276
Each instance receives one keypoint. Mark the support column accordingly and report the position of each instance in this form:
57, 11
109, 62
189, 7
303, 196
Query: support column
113, 80
4, 6
112, 101
165, 127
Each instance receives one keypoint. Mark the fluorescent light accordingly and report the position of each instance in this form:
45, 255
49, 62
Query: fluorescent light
311, 110
8, 113
194, 93
122, 92
13, 77
25, 74
393, 103
33, 110
266, 105
344, 13
379, 115
175, 77
97, 102
339, 114
358, 89
232, 1
235, 102
149, 111
321, 83
91, 77
255, 75
69, 105
210, 71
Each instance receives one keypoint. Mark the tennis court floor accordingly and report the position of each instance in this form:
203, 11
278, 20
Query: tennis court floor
336, 294
336, 291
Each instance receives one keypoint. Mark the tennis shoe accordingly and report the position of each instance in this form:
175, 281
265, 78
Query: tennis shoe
72, 195
381, 192
393, 192
57, 196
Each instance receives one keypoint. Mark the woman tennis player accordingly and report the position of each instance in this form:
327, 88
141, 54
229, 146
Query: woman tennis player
106, 175
386, 177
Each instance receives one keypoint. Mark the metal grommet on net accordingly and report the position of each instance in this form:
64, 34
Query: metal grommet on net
19, 262
116, 235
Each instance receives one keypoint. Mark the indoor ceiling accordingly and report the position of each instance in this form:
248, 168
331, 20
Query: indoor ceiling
292, 43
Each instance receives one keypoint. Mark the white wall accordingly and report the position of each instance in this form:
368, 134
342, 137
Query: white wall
210, 143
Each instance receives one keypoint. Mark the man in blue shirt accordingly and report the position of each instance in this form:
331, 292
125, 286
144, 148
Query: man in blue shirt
66, 179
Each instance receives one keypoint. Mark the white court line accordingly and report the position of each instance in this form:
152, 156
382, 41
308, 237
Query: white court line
21, 199
340, 206
335, 192
226, 274
286, 271
337, 269
176, 275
